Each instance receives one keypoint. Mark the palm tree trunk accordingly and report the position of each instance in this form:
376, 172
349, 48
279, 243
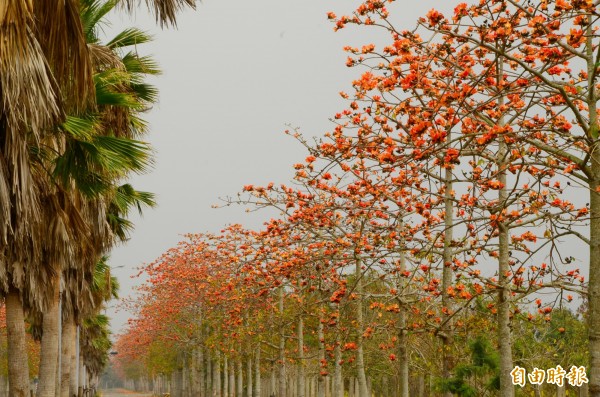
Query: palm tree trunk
81, 375
49, 346
18, 370
74, 356
3, 386
68, 354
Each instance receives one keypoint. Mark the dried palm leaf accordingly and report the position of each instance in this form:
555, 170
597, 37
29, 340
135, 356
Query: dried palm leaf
164, 10
64, 44
29, 97
104, 58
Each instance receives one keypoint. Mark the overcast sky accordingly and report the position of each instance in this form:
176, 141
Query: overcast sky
236, 73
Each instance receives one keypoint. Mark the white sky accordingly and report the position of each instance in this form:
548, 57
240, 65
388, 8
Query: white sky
236, 72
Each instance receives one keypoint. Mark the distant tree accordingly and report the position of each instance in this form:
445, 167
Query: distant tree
479, 377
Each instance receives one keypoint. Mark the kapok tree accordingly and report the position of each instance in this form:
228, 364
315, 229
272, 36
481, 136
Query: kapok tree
546, 94
482, 101
348, 214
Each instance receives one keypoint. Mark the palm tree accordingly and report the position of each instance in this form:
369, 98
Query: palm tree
43, 54
83, 300
95, 344
121, 95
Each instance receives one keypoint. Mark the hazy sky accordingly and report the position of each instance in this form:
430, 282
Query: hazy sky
236, 73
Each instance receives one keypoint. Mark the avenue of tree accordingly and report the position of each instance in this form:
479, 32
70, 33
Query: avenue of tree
428, 244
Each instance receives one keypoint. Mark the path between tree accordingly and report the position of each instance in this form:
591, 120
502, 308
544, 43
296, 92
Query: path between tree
123, 393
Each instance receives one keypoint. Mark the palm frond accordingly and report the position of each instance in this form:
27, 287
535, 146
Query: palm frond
165, 11
136, 64
124, 199
111, 90
127, 196
122, 155
92, 12
104, 58
145, 92
129, 37
28, 90
120, 226
80, 128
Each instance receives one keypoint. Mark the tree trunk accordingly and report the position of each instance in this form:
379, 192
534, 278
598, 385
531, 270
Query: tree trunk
81, 375
273, 387
74, 360
282, 388
403, 356
249, 376
594, 278
240, 376
360, 363
338, 381
421, 385
3, 386
201, 372
322, 362
507, 389
18, 368
185, 379
594, 275
176, 383
209, 372
216, 370
195, 374
68, 338
257, 387
292, 385
300, 368
49, 345
231, 381
583, 390
225, 375
447, 277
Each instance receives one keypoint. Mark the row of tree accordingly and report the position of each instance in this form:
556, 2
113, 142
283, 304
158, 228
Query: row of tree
454, 200
205, 328
84, 351
70, 130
